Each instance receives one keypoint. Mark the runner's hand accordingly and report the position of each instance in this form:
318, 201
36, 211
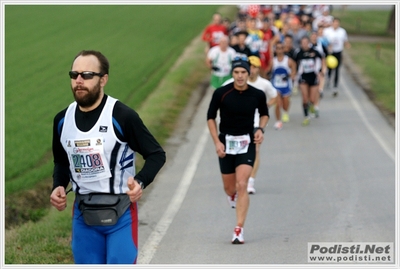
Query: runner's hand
58, 198
220, 149
135, 191
258, 137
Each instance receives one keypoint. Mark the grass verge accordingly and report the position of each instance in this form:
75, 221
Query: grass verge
377, 64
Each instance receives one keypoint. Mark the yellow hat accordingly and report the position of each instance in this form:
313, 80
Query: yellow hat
254, 60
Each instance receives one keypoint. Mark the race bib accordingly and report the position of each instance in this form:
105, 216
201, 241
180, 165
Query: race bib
281, 80
238, 144
308, 66
87, 159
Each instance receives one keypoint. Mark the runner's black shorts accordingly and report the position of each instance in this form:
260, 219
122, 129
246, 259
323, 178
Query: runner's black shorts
229, 163
309, 78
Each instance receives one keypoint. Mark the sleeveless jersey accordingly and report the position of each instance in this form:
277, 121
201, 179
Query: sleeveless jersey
222, 60
99, 161
281, 74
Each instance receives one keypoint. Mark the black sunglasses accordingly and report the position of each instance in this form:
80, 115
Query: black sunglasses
85, 75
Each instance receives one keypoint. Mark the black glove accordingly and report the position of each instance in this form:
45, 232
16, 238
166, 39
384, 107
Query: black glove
215, 68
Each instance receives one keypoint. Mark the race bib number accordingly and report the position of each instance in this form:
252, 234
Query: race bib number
216, 36
281, 80
308, 65
87, 159
237, 144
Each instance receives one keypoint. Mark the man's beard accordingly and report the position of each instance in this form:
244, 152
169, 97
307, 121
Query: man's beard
89, 98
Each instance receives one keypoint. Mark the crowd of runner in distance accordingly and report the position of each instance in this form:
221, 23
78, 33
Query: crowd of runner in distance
272, 32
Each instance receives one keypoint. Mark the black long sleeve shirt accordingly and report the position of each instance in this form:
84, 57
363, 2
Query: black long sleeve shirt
237, 108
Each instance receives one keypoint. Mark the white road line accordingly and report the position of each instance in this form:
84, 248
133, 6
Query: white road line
374, 133
148, 250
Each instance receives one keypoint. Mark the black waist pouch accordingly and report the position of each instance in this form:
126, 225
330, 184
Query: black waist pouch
102, 208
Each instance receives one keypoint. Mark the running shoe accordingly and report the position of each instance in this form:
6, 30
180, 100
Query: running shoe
335, 92
285, 117
316, 112
238, 235
278, 125
312, 110
232, 200
306, 122
250, 186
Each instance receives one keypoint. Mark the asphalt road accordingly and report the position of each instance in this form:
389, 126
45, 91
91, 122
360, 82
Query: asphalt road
332, 181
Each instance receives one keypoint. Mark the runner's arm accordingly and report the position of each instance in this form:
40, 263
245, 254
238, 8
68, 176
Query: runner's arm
61, 173
293, 69
219, 146
212, 124
263, 110
206, 36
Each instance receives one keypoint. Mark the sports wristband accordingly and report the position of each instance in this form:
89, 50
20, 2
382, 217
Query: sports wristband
259, 128
140, 183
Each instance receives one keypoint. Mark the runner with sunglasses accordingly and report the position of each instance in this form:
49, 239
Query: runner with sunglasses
236, 138
95, 140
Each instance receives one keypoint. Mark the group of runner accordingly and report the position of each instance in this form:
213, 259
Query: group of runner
275, 49
291, 42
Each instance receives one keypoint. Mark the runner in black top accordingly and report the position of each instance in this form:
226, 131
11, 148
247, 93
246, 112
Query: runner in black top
236, 108
318, 45
288, 48
308, 67
235, 142
241, 47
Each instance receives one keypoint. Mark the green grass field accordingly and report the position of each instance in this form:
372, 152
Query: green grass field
141, 43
